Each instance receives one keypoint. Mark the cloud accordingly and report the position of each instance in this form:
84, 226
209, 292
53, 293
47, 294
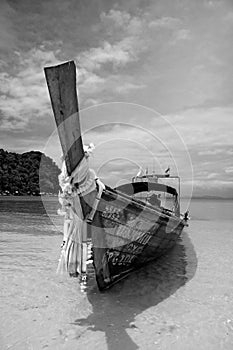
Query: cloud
122, 22
24, 93
7, 33
126, 39
180, 59
229, 170
212, 175
118, 54
88, 81
204, 132
117, 18
213, 3
181, 34
24, 96
100, 68
91, 102
165, 22
229, 16
207, 134
205, 126
122, 41
216, 153
134, 133
125, 87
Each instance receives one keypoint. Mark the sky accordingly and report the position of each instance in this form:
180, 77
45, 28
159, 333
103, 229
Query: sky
155, 84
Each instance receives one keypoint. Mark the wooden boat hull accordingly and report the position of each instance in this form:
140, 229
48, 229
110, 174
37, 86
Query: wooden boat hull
126, 234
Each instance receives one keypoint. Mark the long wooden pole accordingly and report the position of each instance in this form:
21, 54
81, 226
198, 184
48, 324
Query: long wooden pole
61, 81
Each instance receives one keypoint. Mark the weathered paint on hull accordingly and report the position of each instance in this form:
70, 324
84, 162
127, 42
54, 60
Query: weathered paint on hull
126, 235
118, 270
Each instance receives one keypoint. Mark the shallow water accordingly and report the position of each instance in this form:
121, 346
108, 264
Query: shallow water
182, 301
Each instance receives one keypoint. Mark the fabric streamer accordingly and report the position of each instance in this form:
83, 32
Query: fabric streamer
74, 248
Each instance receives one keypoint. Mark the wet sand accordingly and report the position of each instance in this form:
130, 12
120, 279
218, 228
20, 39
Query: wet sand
182, 301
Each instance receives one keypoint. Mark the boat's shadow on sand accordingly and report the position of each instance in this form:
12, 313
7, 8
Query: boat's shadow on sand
115, 310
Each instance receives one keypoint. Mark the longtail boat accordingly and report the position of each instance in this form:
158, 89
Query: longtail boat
127, 226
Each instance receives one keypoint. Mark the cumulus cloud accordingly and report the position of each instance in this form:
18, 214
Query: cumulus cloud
229, 170
123, 22
165, 22
7, 35
125, 87
211, 152
181, 34
122, 44
100, 67
211, 126
24, 95
118, 54
88, 81
125, 40
204, 134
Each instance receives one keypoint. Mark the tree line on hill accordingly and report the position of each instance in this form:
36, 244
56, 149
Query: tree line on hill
30, 173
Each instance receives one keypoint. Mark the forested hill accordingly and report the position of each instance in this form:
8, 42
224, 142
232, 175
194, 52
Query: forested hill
30, 173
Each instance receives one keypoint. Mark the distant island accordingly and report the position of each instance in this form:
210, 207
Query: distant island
206, 197
28, 174
211, 197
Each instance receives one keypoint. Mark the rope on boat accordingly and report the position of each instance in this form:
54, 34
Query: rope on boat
82, 181
100, 187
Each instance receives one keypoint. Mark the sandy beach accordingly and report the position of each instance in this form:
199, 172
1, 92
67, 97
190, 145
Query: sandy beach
182, 301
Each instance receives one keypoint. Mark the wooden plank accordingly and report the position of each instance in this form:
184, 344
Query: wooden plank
61, 81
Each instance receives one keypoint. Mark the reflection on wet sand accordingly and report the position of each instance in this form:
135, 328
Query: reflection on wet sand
115, 310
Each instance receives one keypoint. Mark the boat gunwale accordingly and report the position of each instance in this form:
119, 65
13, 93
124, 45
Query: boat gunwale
122, 196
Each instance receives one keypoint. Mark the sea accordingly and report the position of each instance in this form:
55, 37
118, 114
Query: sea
184, 300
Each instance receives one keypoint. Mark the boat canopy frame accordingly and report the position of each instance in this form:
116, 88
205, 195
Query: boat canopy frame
148, 177
136, 187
